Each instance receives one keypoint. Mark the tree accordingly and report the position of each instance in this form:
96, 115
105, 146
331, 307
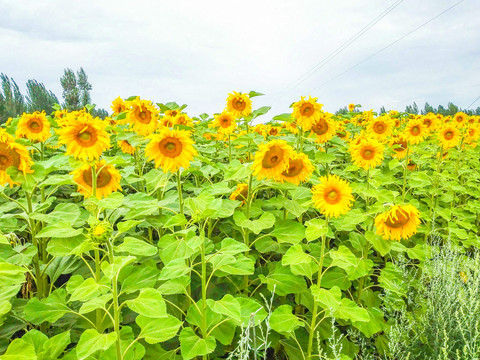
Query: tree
383, 110
84, 87
12, 102
39, 98
428, 109
71, 92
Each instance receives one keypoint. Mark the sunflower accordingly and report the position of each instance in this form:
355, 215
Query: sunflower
118, 106
381, 128
171, 149
33, 126
399, 222
399, 146
108, 179
143, 116
367, 154
351, 107
239, 104
59, 114
184, 119
224, 122
299, 169
333, 196
460, 119
240, 193
126, 147
415, 131
12, 154
290, 126
168, 121
430, 121
306, 112
324, 128
449, 136
472, 134
273, 130
85, 137
272, 159
412, 166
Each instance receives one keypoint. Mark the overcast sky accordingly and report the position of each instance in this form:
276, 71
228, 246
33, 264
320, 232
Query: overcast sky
196, 52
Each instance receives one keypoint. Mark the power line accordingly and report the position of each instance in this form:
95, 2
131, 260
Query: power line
336, 52
474, 101
386, 47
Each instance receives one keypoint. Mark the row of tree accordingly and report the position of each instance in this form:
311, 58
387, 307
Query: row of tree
76, 95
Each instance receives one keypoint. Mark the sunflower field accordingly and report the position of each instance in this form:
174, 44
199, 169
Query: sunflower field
153, 235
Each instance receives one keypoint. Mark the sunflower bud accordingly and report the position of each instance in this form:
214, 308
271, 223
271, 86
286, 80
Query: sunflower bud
101, 232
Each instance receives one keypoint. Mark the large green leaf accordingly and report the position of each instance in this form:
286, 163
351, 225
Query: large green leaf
154, 330
91, 341
265, 221
353, 266
283, 281
60, 229
295, 255
289, 231
134, 246
283, 321
19, 350
54, 347
228, 306
82, 290
49, 309
192, 345
149, 303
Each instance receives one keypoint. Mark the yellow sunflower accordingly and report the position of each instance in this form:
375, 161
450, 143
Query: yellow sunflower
126, 147
367, 154
168, 121
118, 106
306, 112
430, 121
290, 126
449, 136
272, 159
171, 149
59, 114
415, 131
33, 126
333, 196
299, 169
381, 128
184, 119
351, 107
324, 128
240, 193
224, 122
143, 116
460, 119
85, 137
273, 130
108, 179
399, 222
399, 146
12, 154
472, 134
239, 104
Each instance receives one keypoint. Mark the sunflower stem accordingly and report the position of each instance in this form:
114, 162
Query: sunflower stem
116, 310
179, 187
246, 233
229, 149
405, 174
433, 199
313, 323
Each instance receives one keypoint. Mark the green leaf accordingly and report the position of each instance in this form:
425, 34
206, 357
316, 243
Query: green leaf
228, 306
283, 117
11, 274
59, 230
149, 303
352, 265
349, 310
173, 269
124, 226
242, 266
55, 346
19, 350
69, 246
95, 303
379, 244
316, 228
260, 111
295, 255
112, 270
324, 158
176, 220
232, 247
36, 338
155, 331
134, 246
328, 299
289, 231
283, 321
264, 222
191, 345
91, 341
284, 282
252, 94
86, 290
225, 332
49, 309
252, 311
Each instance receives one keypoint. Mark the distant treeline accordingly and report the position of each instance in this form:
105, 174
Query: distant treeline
76, 94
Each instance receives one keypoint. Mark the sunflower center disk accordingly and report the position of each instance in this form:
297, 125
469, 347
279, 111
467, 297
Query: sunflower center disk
397, 220
294, 168
415, 130
35, 126
239, 104
170, 147
8, 157
320, 127
368, 154
144, 117
272, 157
103, 178
306, 110
332, 197
449, 135
4, 162
379, 128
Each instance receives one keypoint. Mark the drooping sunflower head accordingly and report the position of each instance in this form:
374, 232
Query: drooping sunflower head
449, 136
399, 222
12, 154
33, 126
126, 147
324, 128
85, 137
143, 116
333, 196
118, 106
367, 154
381, 128
272, 159
240, 193
107, 179
415, 131
224, 122
171, 149
399, 146
306, 112
238, 104
351, 107
299, 169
